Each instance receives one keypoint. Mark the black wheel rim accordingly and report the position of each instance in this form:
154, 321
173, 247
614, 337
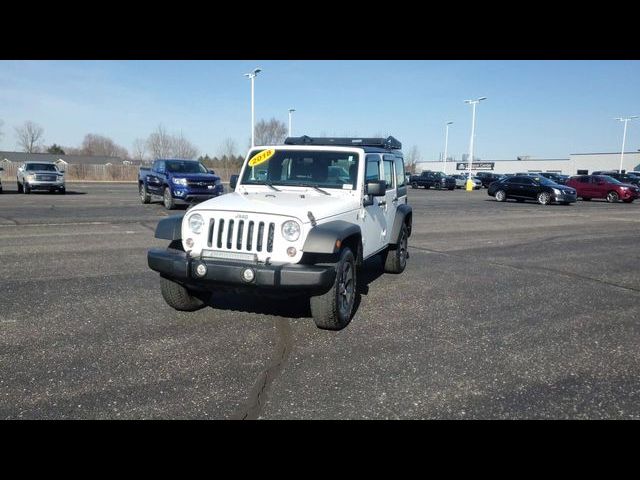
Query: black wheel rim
346, 289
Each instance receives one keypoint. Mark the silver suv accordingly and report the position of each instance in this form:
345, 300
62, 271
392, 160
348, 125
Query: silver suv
40, 176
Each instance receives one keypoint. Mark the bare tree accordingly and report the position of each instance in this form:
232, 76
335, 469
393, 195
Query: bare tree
183, 148
30, 136
228, 148
159, 143
271, 132
139, 149
411, 158
94, 144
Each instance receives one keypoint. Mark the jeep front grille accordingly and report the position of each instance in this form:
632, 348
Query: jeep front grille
242, 235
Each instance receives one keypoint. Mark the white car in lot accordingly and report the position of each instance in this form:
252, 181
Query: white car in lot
461, 182
302, 218
40, 176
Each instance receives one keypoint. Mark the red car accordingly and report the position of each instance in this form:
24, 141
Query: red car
603, 186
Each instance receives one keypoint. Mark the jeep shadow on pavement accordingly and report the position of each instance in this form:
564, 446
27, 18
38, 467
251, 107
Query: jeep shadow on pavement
301, 221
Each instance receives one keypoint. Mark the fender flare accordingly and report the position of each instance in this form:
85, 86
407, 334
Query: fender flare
170, 228
404, 214
322, 238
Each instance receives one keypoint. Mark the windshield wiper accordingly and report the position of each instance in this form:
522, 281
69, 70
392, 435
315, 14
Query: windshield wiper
268, 184
315, 187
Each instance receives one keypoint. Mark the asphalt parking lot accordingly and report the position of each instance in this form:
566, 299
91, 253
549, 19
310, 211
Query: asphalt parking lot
506, 310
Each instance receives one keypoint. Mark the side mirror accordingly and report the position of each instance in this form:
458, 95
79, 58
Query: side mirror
61, 171
376, 189
233, 181
212, 172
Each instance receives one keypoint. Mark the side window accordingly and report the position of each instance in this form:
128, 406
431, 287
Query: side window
160, 168
372, 172
583, 179
388, 174
400, 176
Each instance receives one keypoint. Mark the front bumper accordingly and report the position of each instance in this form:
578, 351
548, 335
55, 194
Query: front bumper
565, 198
187, 195
178, 266
40, 185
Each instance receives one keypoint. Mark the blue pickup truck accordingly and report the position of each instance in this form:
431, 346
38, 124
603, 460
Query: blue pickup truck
178, 182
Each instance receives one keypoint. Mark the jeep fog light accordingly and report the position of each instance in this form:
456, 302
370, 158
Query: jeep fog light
290, 230
291, 251
248, 275
189, 242
201, 270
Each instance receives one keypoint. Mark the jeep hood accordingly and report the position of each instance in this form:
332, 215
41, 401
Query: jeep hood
289, 204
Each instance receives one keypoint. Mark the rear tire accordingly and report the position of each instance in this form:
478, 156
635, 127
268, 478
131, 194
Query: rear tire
333, 309
179, 297
414, 185
395, 259
501, 196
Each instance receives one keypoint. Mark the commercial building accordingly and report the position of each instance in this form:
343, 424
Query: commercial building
576, 163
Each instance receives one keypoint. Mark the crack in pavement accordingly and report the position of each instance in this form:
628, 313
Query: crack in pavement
258, 396
532, 268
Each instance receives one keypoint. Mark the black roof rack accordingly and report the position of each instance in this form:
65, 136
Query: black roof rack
389, 143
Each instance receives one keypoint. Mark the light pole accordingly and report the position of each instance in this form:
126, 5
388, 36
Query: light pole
446, 145
473, 103
291, 110
624, 135
252, 76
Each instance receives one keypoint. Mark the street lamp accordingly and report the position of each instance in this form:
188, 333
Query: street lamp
446, 145
624, 135
473, 132
252, 76
291, 110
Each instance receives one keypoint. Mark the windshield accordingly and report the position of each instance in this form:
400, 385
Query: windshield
185, 166
46, 167
303, 168
544, 181
608, 179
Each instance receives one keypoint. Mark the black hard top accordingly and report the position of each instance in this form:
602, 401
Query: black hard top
369, 144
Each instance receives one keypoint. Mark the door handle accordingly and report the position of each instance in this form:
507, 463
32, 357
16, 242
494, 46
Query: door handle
382, 203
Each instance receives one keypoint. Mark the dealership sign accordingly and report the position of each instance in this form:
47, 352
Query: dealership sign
475, 166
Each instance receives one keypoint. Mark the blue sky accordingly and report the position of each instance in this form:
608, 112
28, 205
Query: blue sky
545, 109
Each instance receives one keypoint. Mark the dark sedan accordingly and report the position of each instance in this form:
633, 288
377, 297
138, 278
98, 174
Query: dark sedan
538, 188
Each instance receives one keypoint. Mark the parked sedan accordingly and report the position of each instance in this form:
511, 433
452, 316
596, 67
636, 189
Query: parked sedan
524, 187
555, 177
461, 182
621, 177
603, 186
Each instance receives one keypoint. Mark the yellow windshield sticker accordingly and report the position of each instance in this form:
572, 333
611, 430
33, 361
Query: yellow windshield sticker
261, 157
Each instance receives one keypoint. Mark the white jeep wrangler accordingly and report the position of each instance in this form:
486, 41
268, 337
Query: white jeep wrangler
302, 217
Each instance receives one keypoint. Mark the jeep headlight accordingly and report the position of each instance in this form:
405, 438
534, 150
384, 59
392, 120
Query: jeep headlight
195, 223
291, 230
31, 177
180, 181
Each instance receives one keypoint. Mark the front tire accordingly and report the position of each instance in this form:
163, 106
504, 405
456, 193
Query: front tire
179, 297
26, 188
167, 199
333, 309
501, 196
544, 198
20, 187
395, 260
144, 195
613, 197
